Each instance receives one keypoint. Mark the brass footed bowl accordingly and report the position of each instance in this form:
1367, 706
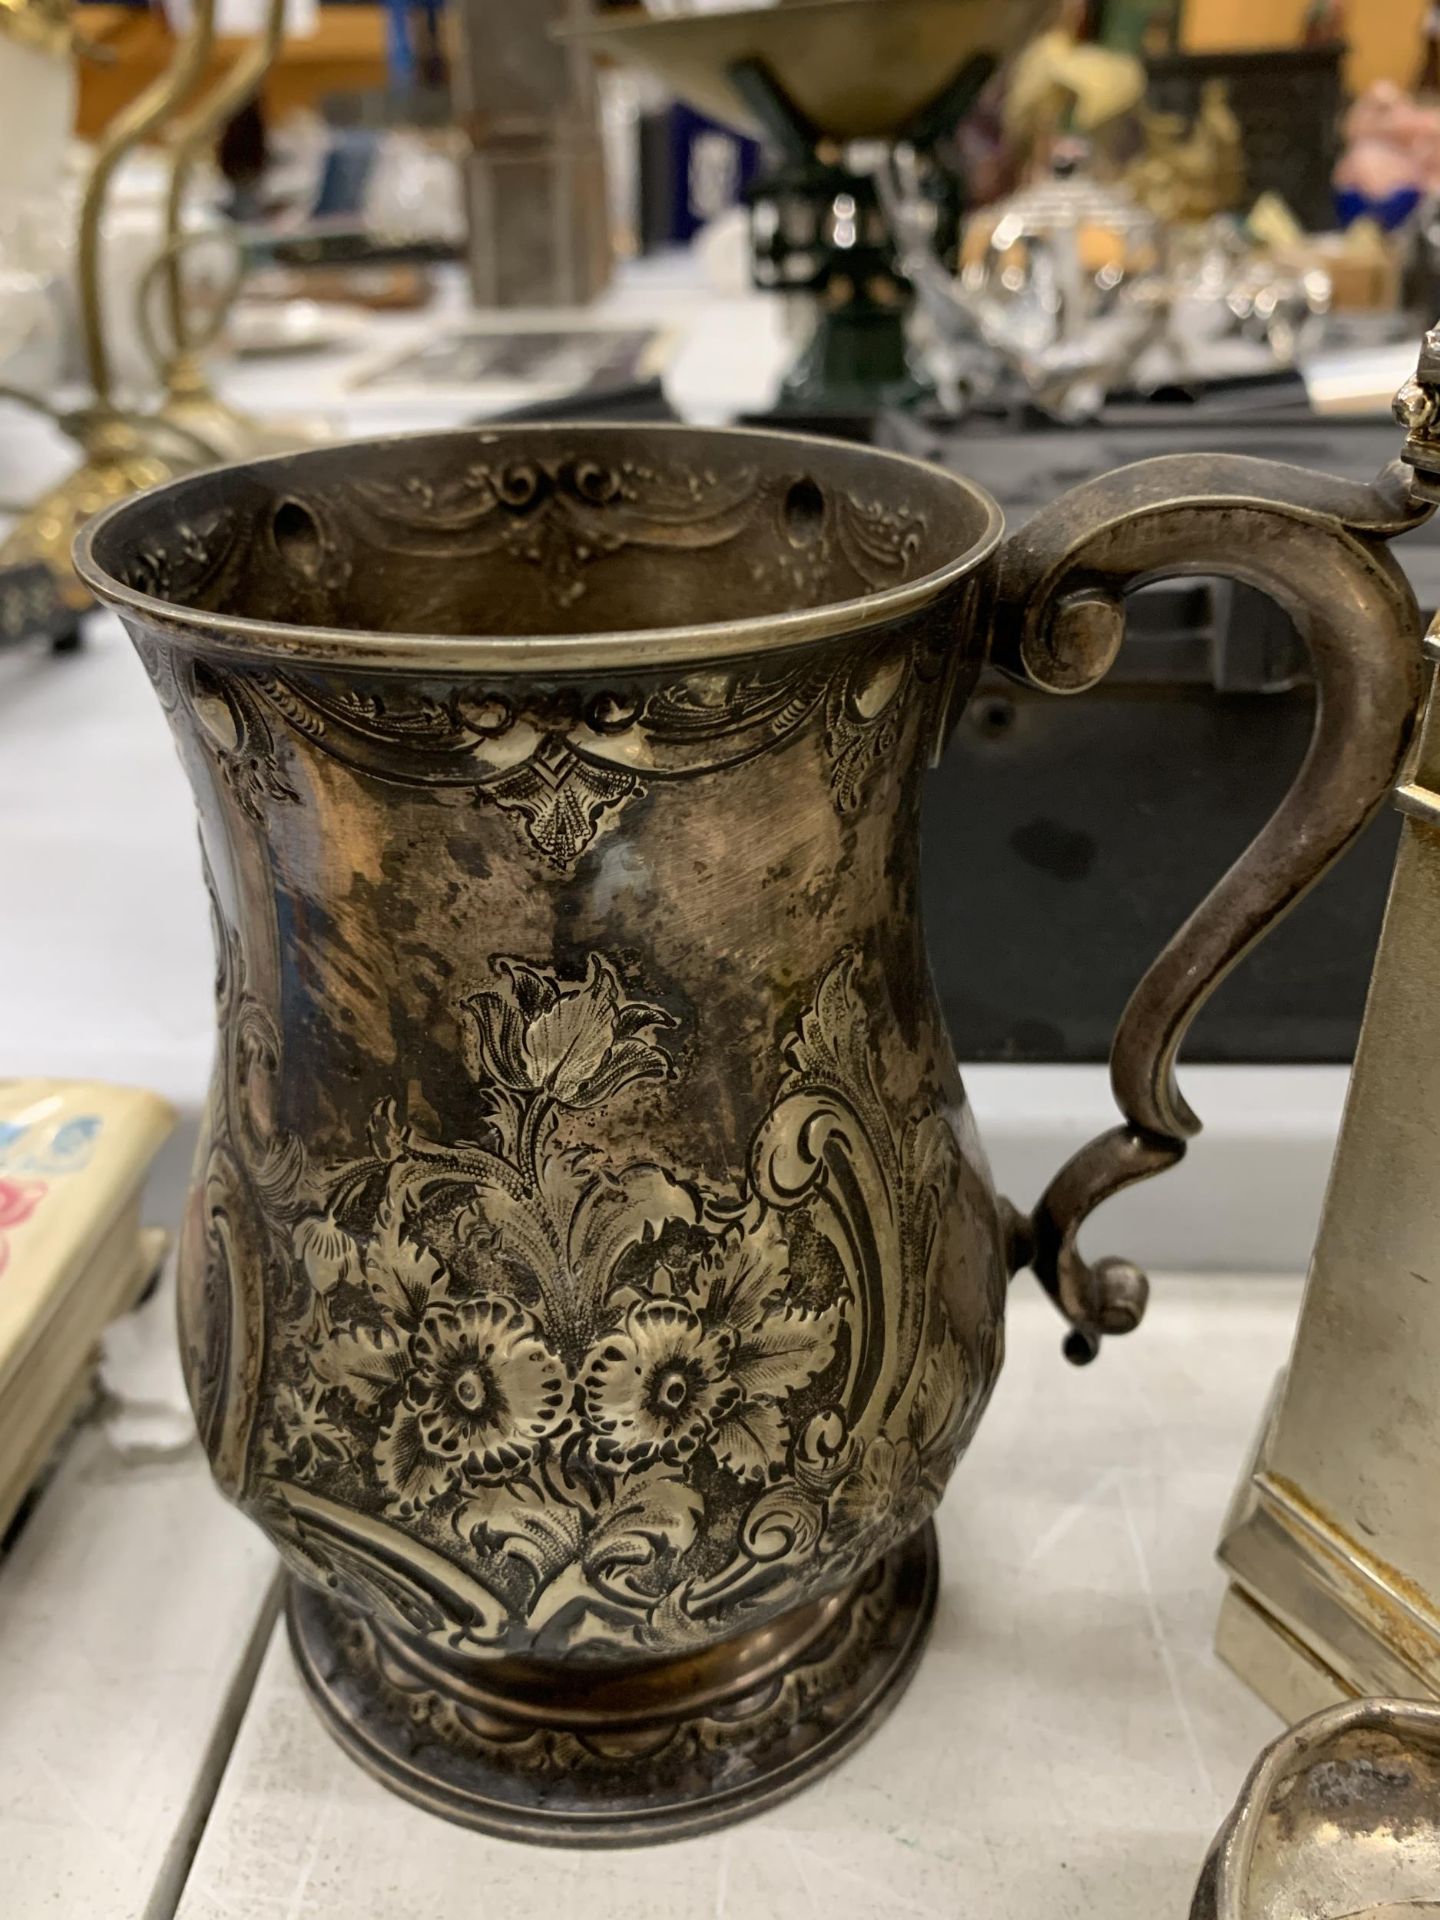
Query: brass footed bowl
592, 1273
856, 69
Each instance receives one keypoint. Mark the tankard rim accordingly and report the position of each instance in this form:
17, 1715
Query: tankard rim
634, 648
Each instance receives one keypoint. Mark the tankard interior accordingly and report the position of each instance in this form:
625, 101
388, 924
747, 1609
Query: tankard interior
546, 530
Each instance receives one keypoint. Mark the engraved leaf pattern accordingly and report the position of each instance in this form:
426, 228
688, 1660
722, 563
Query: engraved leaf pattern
782, 1355
942, 1399
364, 1363
748, 1439
403, 1277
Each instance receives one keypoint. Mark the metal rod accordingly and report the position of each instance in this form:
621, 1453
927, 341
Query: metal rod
135, 123
193, 134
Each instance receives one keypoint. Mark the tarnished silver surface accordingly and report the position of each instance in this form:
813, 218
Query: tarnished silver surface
592, 1273
1331, 1543
1340, 1820
1332, 1539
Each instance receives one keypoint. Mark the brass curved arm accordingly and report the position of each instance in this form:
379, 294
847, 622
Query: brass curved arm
1317, 546
140, 119
192, 136
171, 357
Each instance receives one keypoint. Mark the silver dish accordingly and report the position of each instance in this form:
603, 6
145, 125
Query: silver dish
1339, 1820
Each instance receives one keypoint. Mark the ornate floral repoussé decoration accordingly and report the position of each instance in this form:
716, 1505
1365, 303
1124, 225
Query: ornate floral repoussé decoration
523, 1397
593, 1273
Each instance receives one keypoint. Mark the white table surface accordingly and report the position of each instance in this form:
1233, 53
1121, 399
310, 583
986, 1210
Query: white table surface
133, 1605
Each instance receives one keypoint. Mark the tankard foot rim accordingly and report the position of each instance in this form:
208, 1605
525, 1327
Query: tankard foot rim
624, 1784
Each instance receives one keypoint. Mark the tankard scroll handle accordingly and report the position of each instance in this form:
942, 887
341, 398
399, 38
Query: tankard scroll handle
1317, 546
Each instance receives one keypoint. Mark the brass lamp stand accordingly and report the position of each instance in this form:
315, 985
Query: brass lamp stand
190, 403
124, 448
1332, 1544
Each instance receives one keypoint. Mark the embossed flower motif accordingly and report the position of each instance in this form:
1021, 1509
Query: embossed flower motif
483, 1392
877, 1500
656, 1388
326, 1251
741, 1289
713, 1359
579, 1044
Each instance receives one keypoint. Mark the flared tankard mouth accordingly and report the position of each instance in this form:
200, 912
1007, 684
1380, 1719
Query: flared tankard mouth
552, 548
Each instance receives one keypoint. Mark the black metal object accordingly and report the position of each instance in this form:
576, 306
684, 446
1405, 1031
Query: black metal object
32, 609
636, 400
1078, 833
1084, 831
817, 228
1270, 399
1288, 101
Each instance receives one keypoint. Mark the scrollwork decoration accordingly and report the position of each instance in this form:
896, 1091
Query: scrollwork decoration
251, 1174
565, 775
563, 767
